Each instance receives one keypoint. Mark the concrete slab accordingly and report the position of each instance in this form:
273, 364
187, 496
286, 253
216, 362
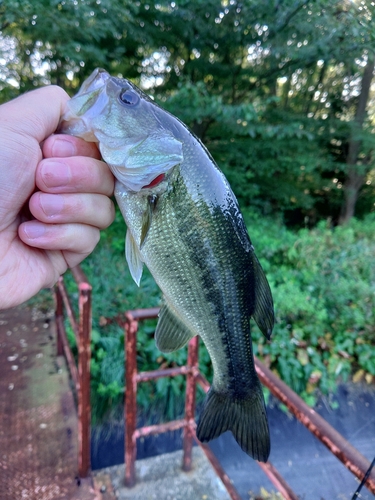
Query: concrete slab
162, 477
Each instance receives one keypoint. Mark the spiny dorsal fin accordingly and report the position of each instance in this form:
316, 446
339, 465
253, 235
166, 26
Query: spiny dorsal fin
263, 311
133, 257
171, 334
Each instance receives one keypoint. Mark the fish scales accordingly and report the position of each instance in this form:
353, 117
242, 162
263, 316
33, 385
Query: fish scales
184, 219
201, 286
189, 231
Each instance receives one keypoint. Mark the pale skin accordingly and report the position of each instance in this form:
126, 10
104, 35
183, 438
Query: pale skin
54, 196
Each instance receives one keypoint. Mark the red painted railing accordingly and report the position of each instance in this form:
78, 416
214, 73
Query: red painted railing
132, 376
341, 448
80, 374
333, 440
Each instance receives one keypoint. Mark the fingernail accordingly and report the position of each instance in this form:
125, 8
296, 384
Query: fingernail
55, 173
52, 204
34, 229
63, 147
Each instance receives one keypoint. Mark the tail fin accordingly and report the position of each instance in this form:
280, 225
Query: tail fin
246, 418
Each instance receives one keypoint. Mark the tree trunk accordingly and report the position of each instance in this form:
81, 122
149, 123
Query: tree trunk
355, 175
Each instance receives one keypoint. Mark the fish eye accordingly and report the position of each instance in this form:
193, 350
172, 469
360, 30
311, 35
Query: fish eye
128, 97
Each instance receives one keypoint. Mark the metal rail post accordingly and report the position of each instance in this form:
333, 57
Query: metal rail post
59, 315
84, 358
131, 327
190, 396
81, 374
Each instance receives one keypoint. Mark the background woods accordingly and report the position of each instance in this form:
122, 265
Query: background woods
283, 95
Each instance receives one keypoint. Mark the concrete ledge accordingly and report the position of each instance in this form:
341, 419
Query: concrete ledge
162, 477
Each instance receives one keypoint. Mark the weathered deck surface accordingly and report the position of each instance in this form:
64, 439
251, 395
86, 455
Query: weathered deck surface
38, 420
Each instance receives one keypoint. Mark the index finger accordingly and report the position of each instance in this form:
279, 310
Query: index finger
76, 174
62, 146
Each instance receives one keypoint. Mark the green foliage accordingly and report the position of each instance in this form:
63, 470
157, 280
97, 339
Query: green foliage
53, 40
272, 88
323, 283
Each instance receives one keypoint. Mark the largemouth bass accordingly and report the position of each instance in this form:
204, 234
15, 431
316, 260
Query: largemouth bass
185, 225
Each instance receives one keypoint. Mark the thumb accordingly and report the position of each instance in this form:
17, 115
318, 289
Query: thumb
35, 114
24, 123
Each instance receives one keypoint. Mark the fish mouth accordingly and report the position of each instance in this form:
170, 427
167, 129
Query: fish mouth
90, 99
95, 81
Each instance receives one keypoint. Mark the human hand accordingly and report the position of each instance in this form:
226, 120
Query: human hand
54, 196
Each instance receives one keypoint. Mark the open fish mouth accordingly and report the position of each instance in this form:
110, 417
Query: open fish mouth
95, 81
91, 99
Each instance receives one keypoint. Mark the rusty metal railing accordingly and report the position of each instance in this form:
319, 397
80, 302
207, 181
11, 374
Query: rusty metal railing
340, 447
80, 374
193, 377
333, 440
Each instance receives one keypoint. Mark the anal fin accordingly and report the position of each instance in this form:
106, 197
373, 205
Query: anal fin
171, 334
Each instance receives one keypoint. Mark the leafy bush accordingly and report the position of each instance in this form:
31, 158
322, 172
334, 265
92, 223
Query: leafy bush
323, 283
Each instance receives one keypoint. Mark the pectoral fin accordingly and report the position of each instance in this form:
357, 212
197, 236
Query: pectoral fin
133, 257
263, 310
171, 334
